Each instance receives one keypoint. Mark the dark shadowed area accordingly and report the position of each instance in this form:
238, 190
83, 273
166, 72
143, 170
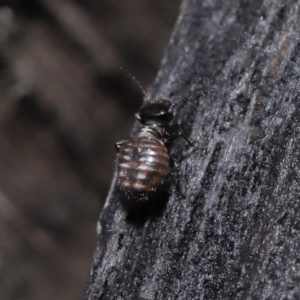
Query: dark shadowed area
64, 102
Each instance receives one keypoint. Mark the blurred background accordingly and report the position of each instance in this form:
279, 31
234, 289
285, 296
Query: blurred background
64, 102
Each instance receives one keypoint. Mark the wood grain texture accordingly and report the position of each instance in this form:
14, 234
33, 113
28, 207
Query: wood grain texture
235, 235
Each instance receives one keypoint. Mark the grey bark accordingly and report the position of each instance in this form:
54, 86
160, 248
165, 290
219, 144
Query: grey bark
235, 234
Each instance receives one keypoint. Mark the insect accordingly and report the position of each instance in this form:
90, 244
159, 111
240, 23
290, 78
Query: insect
143, 162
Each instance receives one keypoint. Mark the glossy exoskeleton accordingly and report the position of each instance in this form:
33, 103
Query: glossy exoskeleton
143, 161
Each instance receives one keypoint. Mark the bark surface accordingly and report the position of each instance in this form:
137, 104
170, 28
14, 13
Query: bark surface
235, 234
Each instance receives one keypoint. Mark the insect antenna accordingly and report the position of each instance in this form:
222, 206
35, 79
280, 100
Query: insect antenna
134, 79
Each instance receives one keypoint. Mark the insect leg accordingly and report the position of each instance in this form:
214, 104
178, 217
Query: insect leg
184, 134
119, 145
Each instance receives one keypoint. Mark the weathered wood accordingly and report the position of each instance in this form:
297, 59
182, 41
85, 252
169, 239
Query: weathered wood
235, 235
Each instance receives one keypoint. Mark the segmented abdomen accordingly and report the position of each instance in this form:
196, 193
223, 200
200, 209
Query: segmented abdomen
143, 164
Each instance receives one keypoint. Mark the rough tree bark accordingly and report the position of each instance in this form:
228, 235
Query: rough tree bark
235, 234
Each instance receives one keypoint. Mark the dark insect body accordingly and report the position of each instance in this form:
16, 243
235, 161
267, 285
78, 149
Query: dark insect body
143, 162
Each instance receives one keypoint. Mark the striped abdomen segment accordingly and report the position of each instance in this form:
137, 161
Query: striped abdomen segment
143, 164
